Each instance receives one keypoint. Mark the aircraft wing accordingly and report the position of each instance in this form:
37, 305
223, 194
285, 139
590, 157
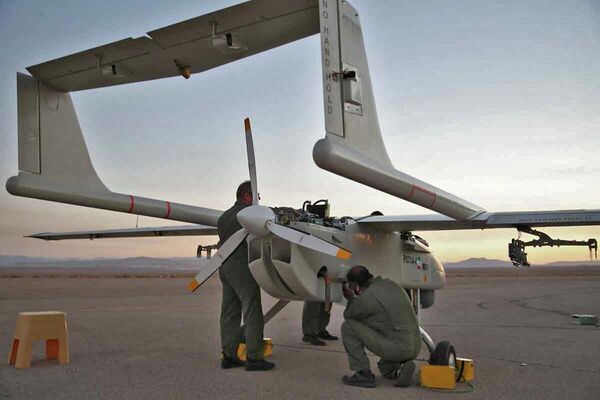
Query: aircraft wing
182, 230
486, 220
199, 43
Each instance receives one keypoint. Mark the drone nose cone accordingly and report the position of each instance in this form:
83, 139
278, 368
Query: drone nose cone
254, 219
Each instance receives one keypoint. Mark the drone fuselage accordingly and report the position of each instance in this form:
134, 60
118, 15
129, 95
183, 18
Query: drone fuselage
288, 271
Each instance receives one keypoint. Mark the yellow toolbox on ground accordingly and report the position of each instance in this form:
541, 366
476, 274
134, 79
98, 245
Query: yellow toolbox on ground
438, 377
267, 349
465, 370
445, 377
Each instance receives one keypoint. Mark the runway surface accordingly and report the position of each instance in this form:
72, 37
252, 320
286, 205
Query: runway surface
147, 338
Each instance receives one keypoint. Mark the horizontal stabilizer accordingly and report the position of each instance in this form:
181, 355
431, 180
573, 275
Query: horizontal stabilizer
195, 45
487, 220
183, 230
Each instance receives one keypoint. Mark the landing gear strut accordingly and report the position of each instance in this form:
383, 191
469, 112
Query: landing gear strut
415, 296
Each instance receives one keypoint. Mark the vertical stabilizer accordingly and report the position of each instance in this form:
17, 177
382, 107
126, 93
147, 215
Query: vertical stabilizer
353, 146
51, 143
350, 113
54, 163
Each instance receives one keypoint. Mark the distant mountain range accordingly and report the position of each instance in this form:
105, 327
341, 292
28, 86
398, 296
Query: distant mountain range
193, 262
482, 262
478, 262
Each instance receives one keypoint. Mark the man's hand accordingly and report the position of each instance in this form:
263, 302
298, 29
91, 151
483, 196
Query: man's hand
347, 290
357, 289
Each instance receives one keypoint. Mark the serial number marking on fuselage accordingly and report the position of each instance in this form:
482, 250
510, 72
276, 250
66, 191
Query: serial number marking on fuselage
417, 261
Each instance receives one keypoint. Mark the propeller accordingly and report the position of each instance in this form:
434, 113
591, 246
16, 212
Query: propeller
251, 161
218, 259
260, 221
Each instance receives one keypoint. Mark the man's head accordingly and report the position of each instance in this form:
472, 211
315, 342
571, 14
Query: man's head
359, 275
244, 193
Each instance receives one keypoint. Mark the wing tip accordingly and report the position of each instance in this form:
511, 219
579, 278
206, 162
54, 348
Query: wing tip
247, 124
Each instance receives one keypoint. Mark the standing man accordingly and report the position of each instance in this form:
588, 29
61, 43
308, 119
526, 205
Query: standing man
241, 295
379, 316
314, 323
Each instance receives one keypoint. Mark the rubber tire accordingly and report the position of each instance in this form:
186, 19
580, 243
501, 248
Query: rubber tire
441, 354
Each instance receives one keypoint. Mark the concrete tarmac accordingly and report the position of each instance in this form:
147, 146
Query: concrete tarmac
147, 338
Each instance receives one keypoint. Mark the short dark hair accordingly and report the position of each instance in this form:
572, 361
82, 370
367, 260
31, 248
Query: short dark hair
359, 274
245, 187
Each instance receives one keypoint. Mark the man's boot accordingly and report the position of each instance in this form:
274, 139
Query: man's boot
258, 365
231, 362
326, 335
391, 374
363, 378
405, 374
313, 339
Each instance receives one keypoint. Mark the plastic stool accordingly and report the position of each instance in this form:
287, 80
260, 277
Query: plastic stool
48, 325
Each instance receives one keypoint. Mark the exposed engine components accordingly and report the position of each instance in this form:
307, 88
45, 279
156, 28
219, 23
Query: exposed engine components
320, 208
314, 213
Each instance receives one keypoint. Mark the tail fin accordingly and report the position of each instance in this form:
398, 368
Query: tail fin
52, 151
353, 146
54, 163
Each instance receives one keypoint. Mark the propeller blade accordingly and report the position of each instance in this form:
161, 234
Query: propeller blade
251, 161
309, 241
218, 259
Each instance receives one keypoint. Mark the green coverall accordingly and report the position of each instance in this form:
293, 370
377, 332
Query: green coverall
241, 294
314, 318
382, 320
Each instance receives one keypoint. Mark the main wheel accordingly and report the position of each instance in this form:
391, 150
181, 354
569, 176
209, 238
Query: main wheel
444, 354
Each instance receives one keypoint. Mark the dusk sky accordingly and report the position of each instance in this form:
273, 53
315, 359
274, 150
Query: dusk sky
496, 102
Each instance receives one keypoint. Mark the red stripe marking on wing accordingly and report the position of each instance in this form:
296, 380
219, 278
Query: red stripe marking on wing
168, 210
131, 203
412, 191
432, 194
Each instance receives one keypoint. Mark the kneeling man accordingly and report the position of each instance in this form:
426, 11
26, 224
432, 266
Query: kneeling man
379, 317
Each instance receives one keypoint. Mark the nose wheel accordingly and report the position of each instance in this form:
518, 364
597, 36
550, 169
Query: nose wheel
443, 354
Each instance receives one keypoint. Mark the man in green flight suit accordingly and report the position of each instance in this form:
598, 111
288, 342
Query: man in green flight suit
379, 316
241, 295
314, 323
